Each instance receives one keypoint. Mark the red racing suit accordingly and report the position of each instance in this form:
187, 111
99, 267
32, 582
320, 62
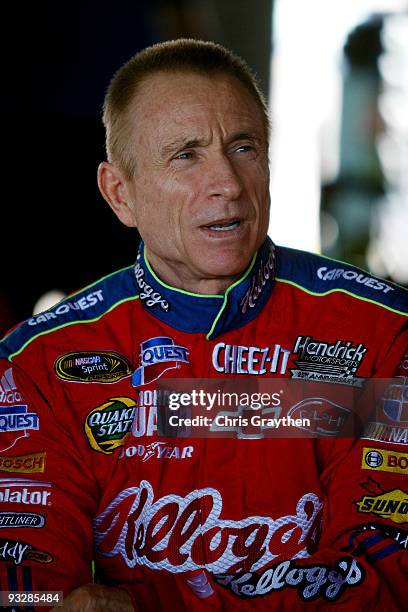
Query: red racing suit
192, 523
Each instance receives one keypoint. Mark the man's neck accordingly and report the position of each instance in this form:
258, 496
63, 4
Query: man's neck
180, 278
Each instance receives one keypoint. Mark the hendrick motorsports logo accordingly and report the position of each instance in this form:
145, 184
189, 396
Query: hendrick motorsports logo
92, 366
154, 353
107, 426
335, 362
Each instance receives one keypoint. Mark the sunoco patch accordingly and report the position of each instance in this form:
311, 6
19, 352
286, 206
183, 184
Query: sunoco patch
92, 366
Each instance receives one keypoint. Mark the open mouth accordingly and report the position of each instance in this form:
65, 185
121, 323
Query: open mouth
228, 226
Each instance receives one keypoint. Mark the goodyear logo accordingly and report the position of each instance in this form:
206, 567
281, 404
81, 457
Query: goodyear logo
23, 464
108, 425
381, 460
92, 366
389, 504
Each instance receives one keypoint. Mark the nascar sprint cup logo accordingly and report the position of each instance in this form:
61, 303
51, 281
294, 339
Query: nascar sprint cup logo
92, 366
335, 362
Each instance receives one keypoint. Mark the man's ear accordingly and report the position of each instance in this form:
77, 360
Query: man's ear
113, 187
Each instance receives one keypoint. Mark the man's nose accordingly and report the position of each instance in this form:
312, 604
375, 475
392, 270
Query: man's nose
224, 181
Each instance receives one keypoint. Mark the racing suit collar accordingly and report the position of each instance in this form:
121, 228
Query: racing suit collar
208, 314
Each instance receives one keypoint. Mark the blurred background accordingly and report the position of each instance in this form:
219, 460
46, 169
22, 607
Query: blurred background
335, 73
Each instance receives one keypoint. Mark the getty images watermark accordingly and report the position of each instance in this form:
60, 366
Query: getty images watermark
280, 407
243, 403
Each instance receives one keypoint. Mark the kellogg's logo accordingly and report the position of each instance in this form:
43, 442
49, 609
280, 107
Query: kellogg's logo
260, 277
153, 354
147, 294
108, 425
92, 366
310, 581
178, 533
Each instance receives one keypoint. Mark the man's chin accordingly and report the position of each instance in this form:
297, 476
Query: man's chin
225, 266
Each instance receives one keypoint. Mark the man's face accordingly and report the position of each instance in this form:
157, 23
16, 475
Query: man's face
200, 194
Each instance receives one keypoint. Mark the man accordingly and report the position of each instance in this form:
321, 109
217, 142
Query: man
194, 523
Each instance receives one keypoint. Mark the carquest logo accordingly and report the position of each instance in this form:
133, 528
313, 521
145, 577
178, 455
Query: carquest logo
83, 303
327, 274
157, 356
15, 421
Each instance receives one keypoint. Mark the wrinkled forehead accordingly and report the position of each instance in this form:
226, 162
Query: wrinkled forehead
170, 100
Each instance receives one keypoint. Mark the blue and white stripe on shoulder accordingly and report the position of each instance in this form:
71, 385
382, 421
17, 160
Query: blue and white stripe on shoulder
320, 275
84, 306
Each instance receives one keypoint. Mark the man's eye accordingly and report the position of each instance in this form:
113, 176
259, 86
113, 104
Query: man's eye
244, 149
184, 155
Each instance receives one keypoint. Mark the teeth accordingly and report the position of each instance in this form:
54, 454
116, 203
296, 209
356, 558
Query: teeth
225, 227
